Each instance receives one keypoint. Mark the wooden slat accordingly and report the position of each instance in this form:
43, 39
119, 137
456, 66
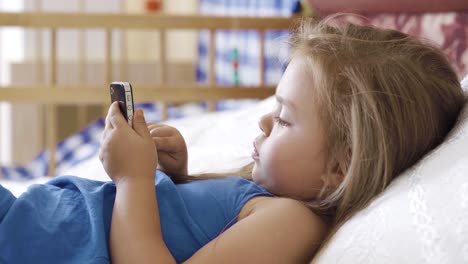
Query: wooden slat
96, 94
39, 56
108, 56
212, 58
262, 57
40, 76
212, 67
51, 108
162, 57
140, 21
123, 45
108, 69
1, 116
82, 111
162, 70
37, 6
123, 55
53, 94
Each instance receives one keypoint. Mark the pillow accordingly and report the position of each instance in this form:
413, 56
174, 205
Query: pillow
422, 217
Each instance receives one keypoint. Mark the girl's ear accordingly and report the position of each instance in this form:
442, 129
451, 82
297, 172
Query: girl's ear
338, 169
335, 178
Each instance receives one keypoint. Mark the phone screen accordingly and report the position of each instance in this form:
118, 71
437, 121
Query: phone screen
122, 93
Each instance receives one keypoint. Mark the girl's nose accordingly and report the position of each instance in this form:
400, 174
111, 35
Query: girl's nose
265, 124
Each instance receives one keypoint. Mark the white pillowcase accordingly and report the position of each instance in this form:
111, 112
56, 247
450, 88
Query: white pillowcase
421, 218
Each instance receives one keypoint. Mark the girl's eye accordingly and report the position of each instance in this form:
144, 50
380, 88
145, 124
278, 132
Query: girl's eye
281, 122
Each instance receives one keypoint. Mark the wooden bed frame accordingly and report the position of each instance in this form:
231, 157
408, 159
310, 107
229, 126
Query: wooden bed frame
52, 94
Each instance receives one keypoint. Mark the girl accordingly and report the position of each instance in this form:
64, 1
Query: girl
355, 107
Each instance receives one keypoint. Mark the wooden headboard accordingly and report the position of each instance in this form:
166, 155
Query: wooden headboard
52, 94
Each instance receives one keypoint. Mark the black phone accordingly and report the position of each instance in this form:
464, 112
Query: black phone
122, 93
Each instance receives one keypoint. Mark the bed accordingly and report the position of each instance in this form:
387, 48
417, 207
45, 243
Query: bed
414, 221
169, 96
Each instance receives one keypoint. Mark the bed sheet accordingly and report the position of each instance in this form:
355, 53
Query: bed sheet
216, 142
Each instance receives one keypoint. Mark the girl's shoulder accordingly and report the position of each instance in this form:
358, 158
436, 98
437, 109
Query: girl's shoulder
283, 206
282, 225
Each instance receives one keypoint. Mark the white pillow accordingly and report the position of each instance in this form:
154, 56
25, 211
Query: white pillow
421, 218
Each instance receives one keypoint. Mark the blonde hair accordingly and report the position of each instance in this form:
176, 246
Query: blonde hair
385, 99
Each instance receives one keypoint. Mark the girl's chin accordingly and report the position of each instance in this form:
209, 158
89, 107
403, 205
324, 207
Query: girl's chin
259, 179
255, 175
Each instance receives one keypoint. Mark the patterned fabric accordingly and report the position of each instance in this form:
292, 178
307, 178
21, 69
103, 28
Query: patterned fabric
449, 31
245, 43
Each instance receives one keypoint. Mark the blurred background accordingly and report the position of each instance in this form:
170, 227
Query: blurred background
24, 60
25, 57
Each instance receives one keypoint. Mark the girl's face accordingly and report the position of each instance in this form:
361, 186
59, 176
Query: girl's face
290, 153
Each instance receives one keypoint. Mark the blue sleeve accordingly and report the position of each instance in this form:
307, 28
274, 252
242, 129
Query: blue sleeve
194, 213
6, 200
212, 204
66, 220
233, 193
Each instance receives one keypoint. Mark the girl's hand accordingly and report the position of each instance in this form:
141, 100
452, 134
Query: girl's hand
171, 148
126, 153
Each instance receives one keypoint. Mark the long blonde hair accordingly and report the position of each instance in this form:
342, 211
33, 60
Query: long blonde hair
385, 99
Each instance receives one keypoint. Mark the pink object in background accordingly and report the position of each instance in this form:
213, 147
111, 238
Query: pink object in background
448, 31
445, 22
388, 6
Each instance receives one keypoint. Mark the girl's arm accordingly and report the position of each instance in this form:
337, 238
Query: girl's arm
273, 230
130, 159
135, 229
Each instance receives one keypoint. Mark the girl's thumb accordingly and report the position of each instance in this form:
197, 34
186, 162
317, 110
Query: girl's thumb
139, 123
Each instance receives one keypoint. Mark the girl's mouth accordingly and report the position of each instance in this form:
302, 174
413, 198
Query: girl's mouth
255, 155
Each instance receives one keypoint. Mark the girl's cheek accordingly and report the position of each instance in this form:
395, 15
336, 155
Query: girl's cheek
274, 161
267, 159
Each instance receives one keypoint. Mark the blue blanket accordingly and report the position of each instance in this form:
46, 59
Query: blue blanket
68, 219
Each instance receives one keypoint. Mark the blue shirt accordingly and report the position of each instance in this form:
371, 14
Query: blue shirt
68, 219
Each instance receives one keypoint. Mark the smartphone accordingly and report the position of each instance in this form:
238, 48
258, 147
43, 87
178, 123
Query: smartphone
122, 93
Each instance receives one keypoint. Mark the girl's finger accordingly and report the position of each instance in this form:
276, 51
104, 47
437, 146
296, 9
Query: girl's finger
165, 144
103, 135
116, 119
108, 124
168, 159
163, 131
155, 124
107, 129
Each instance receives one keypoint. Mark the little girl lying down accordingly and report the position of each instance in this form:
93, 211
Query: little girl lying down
356, 106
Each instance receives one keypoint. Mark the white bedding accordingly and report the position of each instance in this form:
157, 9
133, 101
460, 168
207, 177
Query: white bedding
421, 218
216, 142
